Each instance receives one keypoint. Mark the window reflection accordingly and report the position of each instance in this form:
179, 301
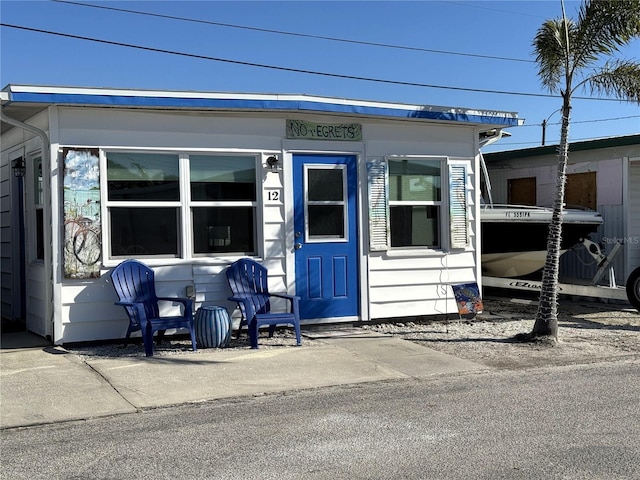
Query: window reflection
326, 203
414, 202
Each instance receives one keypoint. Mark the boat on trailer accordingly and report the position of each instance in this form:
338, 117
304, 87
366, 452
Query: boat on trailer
514, 245
514, 237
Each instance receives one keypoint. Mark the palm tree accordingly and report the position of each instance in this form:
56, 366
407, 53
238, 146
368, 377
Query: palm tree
568, 52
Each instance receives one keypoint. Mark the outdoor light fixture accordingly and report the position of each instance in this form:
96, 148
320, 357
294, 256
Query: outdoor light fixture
272, 161
545, 123
19, 167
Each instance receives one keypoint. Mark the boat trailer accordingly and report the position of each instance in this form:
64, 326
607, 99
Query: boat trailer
611, 291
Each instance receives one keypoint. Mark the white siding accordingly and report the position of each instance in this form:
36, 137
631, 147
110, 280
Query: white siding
37, 285
143, 129
420, 285
211, 287
16, 143
416, 286
88, 307
8, 275
139, 128
394, 286
88, 310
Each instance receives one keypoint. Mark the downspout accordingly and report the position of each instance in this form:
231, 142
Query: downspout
46, 157
487, 181
46, 153
488, 140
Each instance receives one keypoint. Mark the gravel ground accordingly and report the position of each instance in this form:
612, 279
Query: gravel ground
588, 332
283, 338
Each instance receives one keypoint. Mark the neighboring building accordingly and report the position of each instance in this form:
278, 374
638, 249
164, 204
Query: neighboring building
602, 174
366, 210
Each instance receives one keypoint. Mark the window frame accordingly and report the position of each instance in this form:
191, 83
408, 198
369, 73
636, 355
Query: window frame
439, 204
253, 204
456, 205
342, 203
35, 183
184, 206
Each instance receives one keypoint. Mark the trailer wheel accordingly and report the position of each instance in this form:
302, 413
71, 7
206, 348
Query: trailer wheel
633, 288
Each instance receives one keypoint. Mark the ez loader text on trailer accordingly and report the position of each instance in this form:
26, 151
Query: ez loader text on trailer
610, 292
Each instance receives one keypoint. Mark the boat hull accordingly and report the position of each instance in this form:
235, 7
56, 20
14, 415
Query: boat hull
514, 239
513, 264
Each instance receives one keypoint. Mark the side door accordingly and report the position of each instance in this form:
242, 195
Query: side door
326, 229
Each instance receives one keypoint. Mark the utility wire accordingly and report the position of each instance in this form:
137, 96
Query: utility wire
287, 69
484, 7
573, 122
294, 34
549, 144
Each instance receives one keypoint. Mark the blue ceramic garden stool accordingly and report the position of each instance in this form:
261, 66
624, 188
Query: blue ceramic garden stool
213, 327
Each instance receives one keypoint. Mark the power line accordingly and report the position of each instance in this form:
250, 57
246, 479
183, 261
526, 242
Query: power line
556, 142
251, 64
287, 69
294, 34
573, 122
483, 7
595, 121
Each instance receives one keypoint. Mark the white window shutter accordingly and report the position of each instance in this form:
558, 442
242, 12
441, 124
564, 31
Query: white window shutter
458, 206
378, 205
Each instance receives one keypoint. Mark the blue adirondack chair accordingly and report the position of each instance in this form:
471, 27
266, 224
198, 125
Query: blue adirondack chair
135, 285
248, 282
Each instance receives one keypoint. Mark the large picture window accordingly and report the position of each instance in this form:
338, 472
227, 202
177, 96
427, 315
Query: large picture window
150, 194
223, 196
152, 177
143, 190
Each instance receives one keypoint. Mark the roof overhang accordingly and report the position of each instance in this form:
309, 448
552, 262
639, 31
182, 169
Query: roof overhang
22, 101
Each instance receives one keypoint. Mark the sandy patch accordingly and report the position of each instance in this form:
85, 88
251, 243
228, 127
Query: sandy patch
588, 332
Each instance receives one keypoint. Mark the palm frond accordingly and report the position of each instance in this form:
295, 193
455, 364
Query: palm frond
604, 26
619, 79
564, 48
550, 48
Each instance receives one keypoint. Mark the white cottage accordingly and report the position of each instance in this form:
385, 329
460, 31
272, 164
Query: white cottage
602, 174
366, 210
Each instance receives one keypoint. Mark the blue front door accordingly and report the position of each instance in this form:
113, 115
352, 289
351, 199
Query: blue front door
326, 228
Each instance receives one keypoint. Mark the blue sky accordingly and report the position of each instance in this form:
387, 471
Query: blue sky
469, 33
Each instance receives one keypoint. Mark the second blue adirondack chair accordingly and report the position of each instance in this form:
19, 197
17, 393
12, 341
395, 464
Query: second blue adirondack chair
248, 282
134, 283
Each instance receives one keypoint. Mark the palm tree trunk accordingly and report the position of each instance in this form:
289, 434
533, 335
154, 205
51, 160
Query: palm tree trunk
546, 323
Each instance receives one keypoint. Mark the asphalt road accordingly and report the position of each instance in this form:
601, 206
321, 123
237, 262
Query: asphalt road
578, 422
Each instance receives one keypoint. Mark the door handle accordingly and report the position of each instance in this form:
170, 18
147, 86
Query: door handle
297, 246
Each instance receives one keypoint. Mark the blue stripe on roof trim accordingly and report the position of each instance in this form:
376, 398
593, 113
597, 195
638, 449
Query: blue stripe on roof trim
257, 104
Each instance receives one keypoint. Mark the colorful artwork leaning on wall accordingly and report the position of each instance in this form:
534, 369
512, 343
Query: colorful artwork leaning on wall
82, 229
